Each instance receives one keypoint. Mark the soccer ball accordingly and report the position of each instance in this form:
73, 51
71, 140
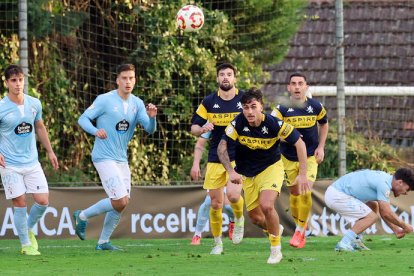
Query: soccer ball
190, 18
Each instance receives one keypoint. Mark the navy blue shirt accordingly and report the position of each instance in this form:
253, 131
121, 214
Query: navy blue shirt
305, 119
219, 112
258, 147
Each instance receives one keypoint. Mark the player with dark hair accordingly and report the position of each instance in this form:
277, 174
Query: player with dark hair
117, 113
215, 112
309, 117
255, 136
21, 172
362, 197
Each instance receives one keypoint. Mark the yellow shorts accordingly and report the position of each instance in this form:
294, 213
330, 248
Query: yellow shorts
216, 176
269, 179
292, 169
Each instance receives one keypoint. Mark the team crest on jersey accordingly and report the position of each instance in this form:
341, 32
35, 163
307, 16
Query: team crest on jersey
246, 129
122, 126
239, 105
309, 109
33, 112
229, 130
387, 194
115, 109
265, 130
290, 110
216, 106
23, 129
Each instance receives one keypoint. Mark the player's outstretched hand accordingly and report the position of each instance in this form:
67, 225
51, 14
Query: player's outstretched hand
152, 110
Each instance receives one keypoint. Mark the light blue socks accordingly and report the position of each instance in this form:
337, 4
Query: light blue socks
36, 212
111, 222
20, 222
100, 207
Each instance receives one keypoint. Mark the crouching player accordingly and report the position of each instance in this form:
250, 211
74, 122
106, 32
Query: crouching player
360, 195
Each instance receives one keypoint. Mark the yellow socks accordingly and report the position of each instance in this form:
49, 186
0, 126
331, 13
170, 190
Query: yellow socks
274, 240
305, 206
237, 207
294, 207
216, 222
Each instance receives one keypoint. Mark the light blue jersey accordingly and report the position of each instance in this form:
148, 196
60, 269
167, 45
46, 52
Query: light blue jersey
118, 118
17, 131
365, 185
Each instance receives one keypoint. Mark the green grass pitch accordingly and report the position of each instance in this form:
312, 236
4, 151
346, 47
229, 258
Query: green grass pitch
388, 256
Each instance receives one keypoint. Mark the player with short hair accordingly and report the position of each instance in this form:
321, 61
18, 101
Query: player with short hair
203, 213
214, 114
117, 113
362, 197
21, 173
306, 115
259, 169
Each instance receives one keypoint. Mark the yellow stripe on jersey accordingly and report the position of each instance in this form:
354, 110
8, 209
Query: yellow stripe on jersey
276, 113
321, 114
221, 119
301, 121
257, 143
202, 112
285, 130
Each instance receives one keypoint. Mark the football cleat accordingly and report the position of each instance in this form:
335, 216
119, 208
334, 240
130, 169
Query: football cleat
80, 225
342, 246
296, 239
238, 231
231, 230
106, 246
30, 251
33, 240
196, 240
275, 256
359, 245
217, 249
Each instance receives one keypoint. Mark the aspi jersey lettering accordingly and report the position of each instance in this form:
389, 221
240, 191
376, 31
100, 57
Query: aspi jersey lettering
17, 131
258, 147
220, 113
305, 119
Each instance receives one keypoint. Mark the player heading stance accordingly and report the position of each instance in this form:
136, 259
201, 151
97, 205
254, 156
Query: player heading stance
305, 114
214, 113
117, 113
360, 195
21, 172
258, 166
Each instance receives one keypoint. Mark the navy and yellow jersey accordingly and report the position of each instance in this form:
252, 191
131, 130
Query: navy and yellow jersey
305, 120
220, 113
258, 147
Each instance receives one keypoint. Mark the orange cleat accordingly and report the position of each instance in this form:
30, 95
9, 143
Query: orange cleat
296, 239
231, 229
196, 240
